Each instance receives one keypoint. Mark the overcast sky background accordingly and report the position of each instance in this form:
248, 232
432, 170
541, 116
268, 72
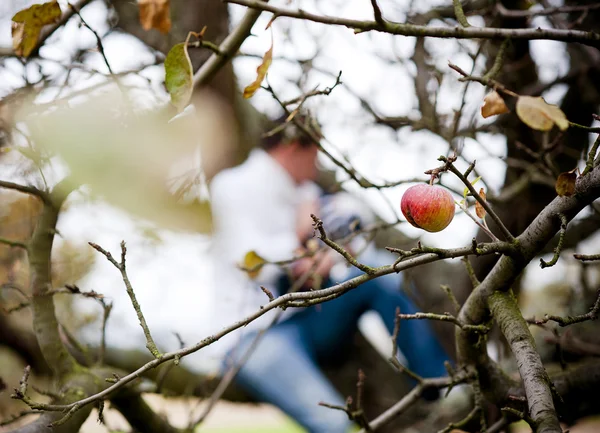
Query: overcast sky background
170, 274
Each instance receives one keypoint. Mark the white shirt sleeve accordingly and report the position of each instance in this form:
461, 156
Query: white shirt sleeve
246, 216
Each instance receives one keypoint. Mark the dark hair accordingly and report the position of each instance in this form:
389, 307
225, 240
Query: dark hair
282, 131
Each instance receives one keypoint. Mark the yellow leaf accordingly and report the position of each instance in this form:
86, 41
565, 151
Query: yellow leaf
565, 183
493, 104
538, 114
179, 76
261, 72
479, 210
253, 263
155, 14
27, 25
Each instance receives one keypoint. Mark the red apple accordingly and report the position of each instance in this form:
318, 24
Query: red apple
428, 207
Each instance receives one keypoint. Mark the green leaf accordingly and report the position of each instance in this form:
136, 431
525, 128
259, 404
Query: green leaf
179, 76
466, 190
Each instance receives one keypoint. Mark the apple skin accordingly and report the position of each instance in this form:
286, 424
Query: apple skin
428, 207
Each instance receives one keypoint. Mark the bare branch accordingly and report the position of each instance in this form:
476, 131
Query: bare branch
507, 234
413, 396
31, 190
13, 244
535, 379
586, 38
377, 12
318, 224
480, 329
460, 14
587, 258
136, 306
228, 48
541, 12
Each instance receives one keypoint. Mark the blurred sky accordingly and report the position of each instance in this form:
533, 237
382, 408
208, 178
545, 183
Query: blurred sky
169, 269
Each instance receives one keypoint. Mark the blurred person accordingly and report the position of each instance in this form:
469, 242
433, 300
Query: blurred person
263, 205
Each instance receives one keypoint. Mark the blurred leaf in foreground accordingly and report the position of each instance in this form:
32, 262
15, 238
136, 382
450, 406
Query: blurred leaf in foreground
128, 158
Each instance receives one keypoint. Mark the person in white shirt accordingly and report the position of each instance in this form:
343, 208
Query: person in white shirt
264, 205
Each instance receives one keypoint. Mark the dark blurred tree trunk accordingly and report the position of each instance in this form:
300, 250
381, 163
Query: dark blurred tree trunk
581, 100
193, 16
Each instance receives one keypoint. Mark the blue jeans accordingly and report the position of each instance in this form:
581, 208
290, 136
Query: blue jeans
283, 370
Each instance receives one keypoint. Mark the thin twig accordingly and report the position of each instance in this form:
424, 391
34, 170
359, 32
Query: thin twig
497, 66
448, 291
474, 280
13, 244
570, 320
587, 258
460, 14
288, 299
136, 306
463, 422
318, 224
509, 237
377, 13
26, 189
413, 396
512, 13
106, 310
589, 165
479, 329
393, 358
559, 246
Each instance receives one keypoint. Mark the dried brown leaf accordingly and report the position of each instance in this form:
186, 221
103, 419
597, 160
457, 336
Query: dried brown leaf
565, 183
493, 104
261, 72
155, 14
539, 115
479, 210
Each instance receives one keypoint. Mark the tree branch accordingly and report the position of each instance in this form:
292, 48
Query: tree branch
136, 306
586, 38
45, 323
535, 379
228, 48
287, 300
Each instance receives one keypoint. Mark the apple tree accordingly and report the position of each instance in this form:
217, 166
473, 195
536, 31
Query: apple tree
464, 78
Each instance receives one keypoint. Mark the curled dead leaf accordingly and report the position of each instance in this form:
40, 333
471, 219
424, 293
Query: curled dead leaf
479, 210
261, 72
539, 115
493, 104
